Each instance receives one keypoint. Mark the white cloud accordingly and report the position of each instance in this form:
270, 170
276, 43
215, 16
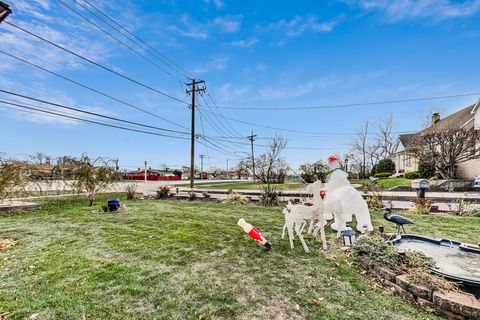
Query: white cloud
283, 92
299, 25
217, 3
203, 30
217, 63
230, 92
398, 10
228, 24
194, 34
244, 43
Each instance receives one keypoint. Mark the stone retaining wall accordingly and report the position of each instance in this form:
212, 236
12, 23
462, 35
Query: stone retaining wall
450, 305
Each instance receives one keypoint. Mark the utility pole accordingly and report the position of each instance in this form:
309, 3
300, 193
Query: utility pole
201, 166
145, 180
194, 89
228, 173
252, 138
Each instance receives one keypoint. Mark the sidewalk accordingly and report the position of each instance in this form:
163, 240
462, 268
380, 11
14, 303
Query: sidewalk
390, 195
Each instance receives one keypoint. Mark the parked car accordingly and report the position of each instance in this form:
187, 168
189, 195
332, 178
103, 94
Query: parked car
476, 184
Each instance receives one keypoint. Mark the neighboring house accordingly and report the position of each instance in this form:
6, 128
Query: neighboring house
468, 117
152, 175
403, 161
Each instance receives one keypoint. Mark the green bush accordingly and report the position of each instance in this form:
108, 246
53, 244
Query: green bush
385, 165
269, 196
163, 192
412, 175
376, 250
382, 175
426, 170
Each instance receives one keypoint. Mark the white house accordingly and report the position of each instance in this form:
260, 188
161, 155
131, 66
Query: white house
468, 117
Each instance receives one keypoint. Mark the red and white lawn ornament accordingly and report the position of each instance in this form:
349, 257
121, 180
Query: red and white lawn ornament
254, 234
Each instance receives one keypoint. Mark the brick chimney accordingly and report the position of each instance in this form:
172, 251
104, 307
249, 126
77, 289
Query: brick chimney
435, 118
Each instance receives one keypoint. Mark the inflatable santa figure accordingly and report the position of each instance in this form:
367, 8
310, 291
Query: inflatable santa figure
337, 178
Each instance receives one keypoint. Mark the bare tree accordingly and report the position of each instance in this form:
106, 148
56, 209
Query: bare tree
385, 140
270, 167
40, 158
360, 149
13, 178
93, 176
445, 148
242, 168
311, 172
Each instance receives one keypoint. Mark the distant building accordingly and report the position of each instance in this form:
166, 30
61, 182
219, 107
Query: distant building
152, 175
403, 161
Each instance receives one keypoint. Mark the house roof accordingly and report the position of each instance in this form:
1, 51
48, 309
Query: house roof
458, 119
406, 138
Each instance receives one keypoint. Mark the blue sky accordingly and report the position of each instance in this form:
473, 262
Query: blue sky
251, 54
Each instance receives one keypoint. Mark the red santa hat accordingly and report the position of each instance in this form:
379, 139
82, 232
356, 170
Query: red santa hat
332, 158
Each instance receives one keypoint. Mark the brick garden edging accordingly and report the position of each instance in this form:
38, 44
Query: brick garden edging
451, 304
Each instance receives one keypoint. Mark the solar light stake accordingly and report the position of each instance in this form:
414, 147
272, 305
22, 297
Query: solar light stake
349, 237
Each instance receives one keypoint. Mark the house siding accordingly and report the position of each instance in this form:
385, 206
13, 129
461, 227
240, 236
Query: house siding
469, 170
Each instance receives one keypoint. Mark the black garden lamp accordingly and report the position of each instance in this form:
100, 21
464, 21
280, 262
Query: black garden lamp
5, 11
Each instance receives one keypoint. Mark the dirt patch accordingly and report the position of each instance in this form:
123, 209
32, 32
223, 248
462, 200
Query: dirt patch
7, 243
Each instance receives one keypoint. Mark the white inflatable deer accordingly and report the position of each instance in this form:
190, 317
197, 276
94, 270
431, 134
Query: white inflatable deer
297, 216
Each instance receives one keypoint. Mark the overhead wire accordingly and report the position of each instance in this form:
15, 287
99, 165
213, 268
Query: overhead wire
146, 86
159, 54
92, 89
223, 122
348, 105
220, 111
56, 114
117, 39
319, 134
206, 147
90, 112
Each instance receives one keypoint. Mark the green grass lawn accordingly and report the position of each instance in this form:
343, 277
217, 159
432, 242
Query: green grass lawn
248, 186
186, 260
384, 184
393, 182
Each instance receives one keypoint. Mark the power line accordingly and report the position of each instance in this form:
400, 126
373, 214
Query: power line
212, 123
224, 128
220, 111
92, 121
228, 126
220, 149
92, 89
90, 113
292, 130
116, 39
170, 61
96, 63
348, 105
206, 147
266, 146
